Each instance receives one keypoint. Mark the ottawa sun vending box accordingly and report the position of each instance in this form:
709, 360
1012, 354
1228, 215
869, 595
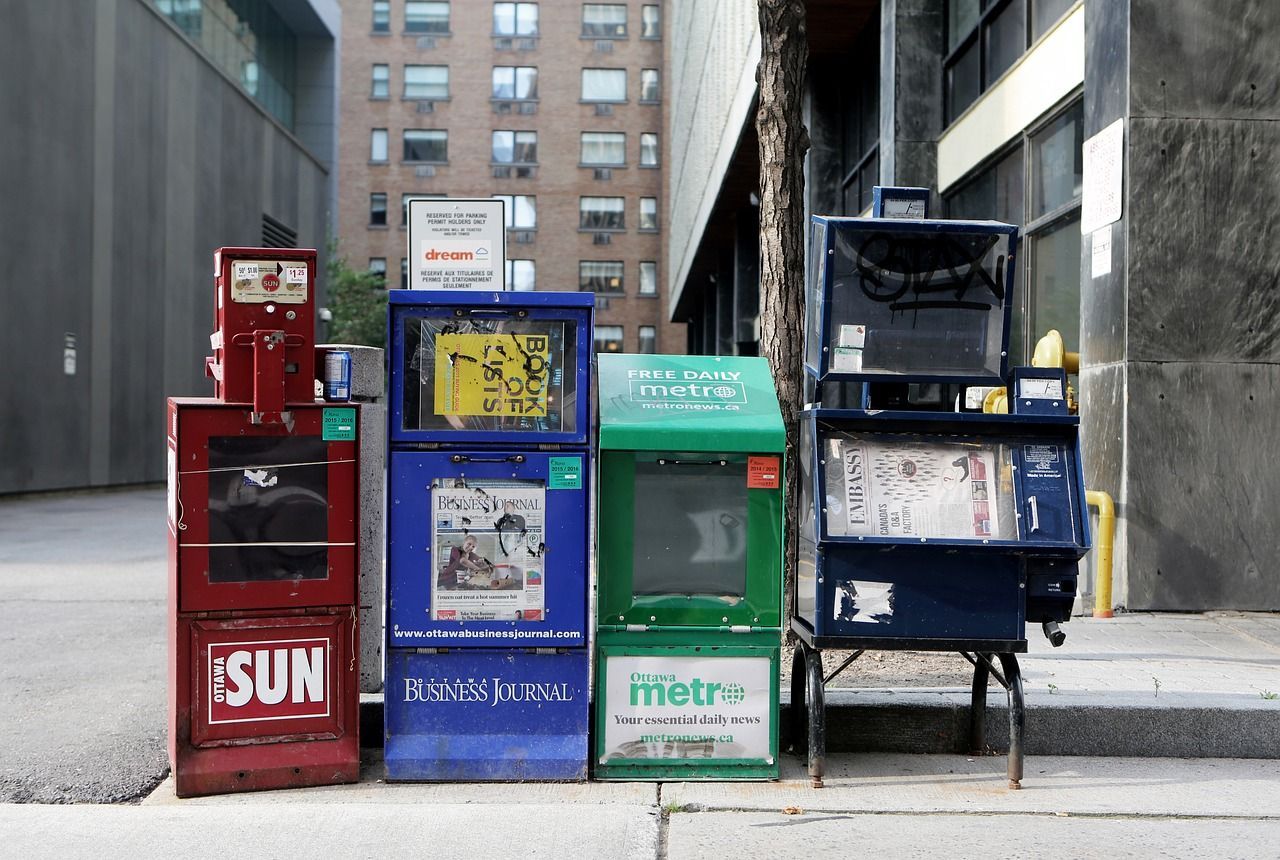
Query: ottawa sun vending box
689, 518
262, 511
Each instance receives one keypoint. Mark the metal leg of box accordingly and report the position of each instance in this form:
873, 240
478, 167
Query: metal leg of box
978, 703
1017, 717
807, 692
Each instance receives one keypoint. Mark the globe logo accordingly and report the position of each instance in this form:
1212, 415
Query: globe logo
724, 391
732, 694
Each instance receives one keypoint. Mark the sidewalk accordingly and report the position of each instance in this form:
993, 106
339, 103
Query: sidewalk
83, 666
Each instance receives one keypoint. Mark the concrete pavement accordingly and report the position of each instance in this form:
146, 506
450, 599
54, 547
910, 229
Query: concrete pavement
83, 665
885, 804
82, 646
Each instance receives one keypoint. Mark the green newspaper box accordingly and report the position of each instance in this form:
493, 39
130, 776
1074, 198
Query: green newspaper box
689, 603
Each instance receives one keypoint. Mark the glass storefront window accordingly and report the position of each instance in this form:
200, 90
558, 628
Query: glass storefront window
1055, 280
1057, 166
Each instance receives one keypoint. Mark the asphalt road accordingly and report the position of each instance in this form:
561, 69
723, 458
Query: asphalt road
82, 647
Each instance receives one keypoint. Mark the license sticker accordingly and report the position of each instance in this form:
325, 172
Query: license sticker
763, 473
338, 425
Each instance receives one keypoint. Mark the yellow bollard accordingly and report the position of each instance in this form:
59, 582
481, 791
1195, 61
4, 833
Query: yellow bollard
1106, 540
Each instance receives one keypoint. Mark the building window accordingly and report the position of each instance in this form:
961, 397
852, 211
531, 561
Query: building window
404, 273
515, 147
600, 276
604, 20
404, 204
521, 275
515, 19
648, 150
382, 16
650, 91
378, 267
650, 22
515, 82
378, 144
431, 145
608, 338
521, 211
377, 210
604, 149
859, 105
1046, 288
381, 81
604, 85
424, 17
601, 213
648, 213
985, 38
426, 82
648, 278
648, 339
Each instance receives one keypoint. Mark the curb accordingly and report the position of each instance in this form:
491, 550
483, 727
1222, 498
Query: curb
1066, 724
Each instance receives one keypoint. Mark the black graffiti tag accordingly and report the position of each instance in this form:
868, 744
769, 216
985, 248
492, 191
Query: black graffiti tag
912, 273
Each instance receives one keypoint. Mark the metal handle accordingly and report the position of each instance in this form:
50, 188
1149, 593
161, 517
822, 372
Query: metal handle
521, 313
463, 458
1035, 513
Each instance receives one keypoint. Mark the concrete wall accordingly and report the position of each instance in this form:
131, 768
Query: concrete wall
1182, 346
714, 50
125, 159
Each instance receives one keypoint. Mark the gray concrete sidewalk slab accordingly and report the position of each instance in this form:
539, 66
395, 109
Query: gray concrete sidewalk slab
377, 791
899, 783
373, 830
825, 835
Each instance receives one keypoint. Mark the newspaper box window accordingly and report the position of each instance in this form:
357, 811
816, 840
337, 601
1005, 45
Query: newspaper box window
487, 554
689, 586
925, 522
480, 373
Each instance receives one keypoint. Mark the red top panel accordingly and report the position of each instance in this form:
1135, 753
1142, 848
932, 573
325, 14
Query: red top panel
260, 291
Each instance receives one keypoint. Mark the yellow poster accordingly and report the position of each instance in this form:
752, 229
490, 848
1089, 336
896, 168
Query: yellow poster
496, 374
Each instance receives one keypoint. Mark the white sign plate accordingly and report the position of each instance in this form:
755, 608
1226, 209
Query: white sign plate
1103, 193
687, 708
1100, 253
457, 244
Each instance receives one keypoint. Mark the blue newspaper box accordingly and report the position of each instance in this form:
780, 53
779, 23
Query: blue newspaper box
926, 523
487, 530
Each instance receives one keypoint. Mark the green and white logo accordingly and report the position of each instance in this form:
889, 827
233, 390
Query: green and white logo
660, 690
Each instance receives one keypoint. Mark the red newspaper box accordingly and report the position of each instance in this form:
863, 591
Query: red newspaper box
263, 510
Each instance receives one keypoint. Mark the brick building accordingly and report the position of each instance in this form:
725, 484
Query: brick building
554, 105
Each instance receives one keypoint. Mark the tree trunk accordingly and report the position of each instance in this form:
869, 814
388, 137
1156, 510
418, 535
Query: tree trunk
784, 53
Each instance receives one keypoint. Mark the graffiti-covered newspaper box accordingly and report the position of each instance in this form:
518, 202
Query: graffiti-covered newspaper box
487, 667
689, 517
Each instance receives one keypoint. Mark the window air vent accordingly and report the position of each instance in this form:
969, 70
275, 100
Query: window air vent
603, 173
502, 107
604, 110
604, 46
276, 234
424, 171
501, 171
527, 108
426, 43
426, 107
526, 172
522, 237
601, 239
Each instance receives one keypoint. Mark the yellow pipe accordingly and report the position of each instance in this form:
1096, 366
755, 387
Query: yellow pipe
1106, 541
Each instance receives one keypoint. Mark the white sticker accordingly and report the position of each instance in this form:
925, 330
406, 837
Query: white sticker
847, 359
246, 271
260, 478
295, 274
976, 395
853, 336
1034, 388
1101, 252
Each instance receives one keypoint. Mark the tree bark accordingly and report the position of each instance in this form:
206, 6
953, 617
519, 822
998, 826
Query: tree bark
784, 54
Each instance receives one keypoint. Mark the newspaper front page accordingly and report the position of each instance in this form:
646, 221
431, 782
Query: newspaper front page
903, 489
487, 542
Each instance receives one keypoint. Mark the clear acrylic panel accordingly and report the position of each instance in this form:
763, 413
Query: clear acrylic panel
268, 508
690, 529
813, 293
486, 374
881, 485
919, 303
